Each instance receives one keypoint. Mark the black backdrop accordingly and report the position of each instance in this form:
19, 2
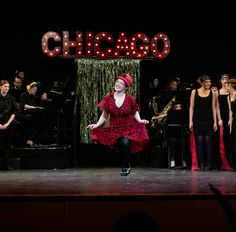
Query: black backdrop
202, 41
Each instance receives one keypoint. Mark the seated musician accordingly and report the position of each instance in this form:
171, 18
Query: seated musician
32, 112
164, 103
176, 119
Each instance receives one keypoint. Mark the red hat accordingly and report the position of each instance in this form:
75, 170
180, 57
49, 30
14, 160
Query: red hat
127, 79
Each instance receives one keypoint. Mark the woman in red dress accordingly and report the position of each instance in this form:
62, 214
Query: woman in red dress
126, 130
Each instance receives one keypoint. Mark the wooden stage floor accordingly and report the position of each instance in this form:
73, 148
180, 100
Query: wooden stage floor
106, 181
98, 199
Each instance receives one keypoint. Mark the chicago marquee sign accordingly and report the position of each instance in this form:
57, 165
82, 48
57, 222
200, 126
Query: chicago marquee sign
104, 45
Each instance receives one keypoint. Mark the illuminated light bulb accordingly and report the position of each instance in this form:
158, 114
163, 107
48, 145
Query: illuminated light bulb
93, 45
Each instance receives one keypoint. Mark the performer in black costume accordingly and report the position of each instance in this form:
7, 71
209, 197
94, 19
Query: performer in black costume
202, 119
7, 115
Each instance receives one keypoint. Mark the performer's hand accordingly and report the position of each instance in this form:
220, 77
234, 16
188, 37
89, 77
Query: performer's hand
220, 122
190, 126
144, 121
92, 126
4, 126
214, 127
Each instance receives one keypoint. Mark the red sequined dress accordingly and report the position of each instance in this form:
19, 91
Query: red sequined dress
121, 124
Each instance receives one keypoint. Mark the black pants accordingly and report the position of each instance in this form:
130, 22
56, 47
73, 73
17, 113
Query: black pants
5, 143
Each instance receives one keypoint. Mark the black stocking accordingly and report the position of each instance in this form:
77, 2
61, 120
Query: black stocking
124, 147
200, 150
208, 143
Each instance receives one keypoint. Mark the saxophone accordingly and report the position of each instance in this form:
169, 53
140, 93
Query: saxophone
159, 119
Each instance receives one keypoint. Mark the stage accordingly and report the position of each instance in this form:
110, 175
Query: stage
96, 198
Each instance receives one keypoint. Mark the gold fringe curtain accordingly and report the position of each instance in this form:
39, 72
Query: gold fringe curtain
95, 78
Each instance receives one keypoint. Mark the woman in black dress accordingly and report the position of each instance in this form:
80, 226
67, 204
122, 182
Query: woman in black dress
232, 97
202, 120
7, 115
223, 112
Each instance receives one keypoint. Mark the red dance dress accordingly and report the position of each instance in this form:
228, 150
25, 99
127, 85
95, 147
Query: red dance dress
121, 124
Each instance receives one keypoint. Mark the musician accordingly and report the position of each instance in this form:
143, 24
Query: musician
154, 93
16, 89
168, 94
33, 113
164, 103
7, 115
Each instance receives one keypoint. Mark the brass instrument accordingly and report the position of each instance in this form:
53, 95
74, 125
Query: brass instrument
154, 106
159, 119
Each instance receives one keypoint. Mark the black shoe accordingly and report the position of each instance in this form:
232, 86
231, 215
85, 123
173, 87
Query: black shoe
125, 171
